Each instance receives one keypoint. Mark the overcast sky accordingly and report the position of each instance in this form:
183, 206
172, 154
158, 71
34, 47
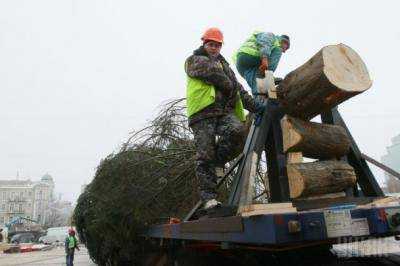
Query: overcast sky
77, 76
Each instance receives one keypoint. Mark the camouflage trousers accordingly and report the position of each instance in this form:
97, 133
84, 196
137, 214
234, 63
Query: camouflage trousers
212, 152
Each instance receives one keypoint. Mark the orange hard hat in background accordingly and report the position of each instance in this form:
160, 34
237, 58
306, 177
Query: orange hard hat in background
213, 34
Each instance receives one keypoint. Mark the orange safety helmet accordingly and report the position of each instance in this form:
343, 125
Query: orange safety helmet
213, 34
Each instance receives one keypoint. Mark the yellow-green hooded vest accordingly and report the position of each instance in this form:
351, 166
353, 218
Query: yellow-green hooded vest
251, 47
199, 95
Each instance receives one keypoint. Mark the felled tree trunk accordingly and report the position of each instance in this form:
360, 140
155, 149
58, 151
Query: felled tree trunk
317, 178
314, 140
333, 75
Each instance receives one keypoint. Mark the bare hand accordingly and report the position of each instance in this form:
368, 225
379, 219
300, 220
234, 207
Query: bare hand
264, 65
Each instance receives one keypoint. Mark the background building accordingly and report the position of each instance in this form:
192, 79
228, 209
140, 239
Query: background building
26, 198
392, 159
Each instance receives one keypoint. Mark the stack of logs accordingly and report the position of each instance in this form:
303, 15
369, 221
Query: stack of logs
319, 141
335, 74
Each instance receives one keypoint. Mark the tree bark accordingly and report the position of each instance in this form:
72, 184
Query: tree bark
317, 178
333, 75
314, 140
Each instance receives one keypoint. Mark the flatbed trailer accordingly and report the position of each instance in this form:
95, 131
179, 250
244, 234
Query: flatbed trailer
288, 230
357, 215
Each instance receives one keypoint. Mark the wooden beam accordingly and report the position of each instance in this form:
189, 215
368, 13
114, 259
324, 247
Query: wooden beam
263, 209
326, 196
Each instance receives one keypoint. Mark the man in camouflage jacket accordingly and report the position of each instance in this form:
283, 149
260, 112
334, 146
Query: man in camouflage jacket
217, 119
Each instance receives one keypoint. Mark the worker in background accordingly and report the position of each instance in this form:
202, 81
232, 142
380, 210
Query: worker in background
215, 102
71, 243
259, 53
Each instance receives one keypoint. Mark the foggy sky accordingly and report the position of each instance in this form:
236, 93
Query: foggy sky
77, 76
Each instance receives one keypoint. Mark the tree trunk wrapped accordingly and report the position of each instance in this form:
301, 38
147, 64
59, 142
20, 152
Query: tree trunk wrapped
333, 75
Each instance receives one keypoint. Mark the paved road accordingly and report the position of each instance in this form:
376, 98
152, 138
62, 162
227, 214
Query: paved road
378, 248
55, 256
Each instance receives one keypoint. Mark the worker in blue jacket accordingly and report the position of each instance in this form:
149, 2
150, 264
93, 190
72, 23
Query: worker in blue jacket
260, 52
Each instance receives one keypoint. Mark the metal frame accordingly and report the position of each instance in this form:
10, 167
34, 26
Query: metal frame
268, 137
365, 178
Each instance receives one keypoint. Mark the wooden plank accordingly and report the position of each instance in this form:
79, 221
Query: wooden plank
303, 205
380, 202
213, 225
268, 206
326, 196
265, 212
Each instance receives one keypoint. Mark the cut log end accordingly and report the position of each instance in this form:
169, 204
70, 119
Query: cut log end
333, 75
290, 135
345, 69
